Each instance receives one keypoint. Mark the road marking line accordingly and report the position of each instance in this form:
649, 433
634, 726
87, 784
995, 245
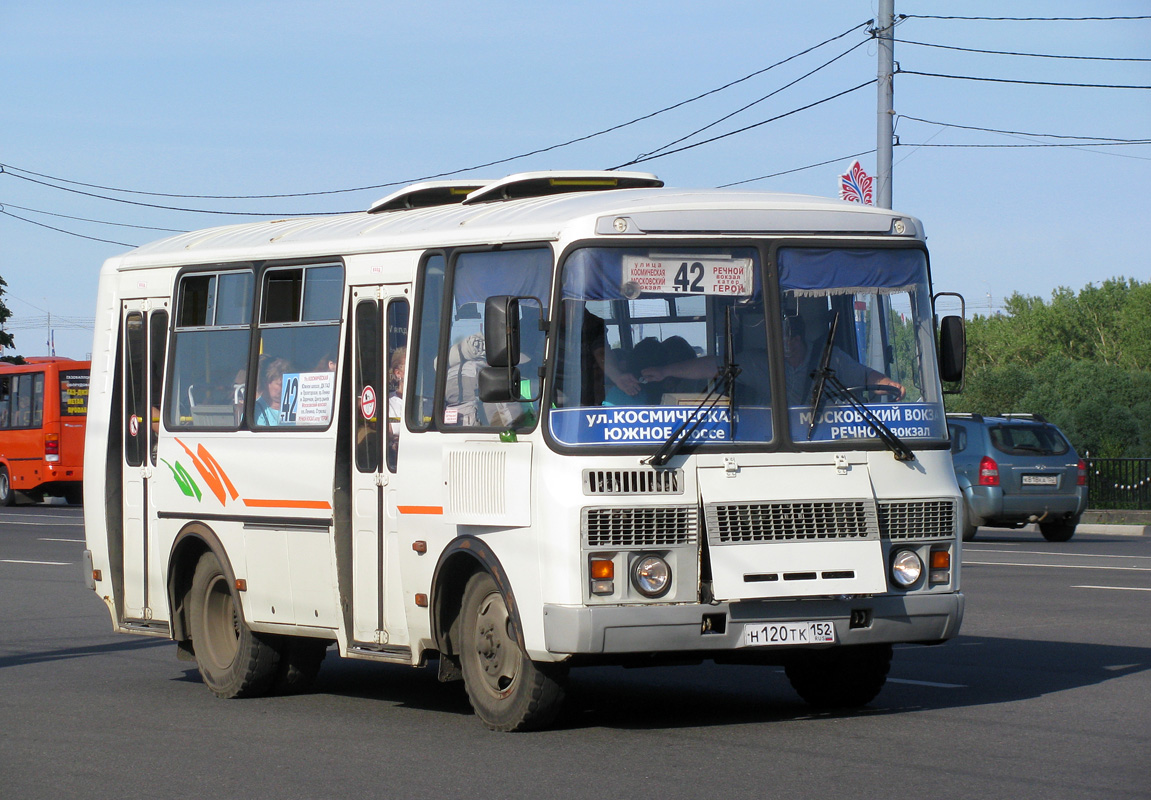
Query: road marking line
74, 541
931, 684
1051, 566
43, 524
1117, 588
1049, 553
43, 563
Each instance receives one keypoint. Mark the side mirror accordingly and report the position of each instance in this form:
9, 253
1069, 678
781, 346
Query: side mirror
500, 385
952, 349
502, 330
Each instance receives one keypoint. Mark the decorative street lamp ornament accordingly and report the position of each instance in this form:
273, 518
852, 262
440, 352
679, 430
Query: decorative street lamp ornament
855, 185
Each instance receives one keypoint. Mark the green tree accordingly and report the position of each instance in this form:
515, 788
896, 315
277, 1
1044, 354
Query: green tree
5, 337
1082, 360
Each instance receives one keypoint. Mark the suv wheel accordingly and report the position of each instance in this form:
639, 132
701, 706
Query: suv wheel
1058, 531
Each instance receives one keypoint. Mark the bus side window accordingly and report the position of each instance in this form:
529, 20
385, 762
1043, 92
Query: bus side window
299, 336
158, 324
209, 349
422, 387
366, 370
396, 361
5, 404
524, 273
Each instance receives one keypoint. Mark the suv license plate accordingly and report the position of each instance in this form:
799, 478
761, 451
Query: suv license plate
1040, 480
760, 634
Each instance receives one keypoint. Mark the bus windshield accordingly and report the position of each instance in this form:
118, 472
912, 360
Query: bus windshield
646, 333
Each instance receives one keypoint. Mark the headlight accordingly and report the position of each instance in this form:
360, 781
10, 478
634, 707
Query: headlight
906, 568
651, 576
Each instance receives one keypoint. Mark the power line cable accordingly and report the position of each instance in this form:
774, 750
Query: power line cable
6, 167
86, 219
1024, 19
1012, 53
797, 169
6, 171
747, 127
756, 102
1028, 83
61, 230
1035, 144
1023, 133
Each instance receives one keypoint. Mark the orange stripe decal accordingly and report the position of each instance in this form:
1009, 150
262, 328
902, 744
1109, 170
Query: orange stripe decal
322, 505
420, 509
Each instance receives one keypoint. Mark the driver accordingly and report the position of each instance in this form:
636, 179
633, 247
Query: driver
800, 360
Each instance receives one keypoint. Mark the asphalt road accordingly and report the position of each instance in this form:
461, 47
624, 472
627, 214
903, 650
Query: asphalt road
1045, 694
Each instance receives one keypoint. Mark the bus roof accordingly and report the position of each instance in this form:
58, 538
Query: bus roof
549, 217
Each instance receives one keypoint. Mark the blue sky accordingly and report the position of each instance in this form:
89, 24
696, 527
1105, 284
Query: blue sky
259, 98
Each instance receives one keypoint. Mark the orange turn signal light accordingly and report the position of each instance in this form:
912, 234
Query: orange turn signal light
602, 570
940, 559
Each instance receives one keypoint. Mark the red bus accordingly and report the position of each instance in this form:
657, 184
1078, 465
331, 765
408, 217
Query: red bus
43, 410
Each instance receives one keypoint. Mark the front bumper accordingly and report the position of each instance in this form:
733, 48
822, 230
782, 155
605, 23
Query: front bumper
685, 628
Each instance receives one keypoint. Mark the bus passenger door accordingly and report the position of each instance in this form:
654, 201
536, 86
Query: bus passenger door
379, 354
145, 334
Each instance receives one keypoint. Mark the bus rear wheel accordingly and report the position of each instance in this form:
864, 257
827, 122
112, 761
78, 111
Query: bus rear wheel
507, 690
840, 677
233, 660
6, 493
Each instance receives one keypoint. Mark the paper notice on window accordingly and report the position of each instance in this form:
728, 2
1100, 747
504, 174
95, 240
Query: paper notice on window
307, 398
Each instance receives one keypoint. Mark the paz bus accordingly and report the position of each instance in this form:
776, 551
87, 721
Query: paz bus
43, 409
513, 427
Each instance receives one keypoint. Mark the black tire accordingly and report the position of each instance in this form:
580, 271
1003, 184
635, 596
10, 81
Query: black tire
74, 495
233, 660
1058, 531
508, 691
7, 495
300, 661
840, 677
969, 532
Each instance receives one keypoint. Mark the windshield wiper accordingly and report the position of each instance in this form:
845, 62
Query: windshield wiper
726, 379
896, 445
825, 378
821, 374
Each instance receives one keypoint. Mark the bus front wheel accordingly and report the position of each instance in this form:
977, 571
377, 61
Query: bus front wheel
233, 660
507, 690
840, 677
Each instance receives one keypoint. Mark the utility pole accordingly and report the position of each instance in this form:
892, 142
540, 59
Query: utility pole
885, 129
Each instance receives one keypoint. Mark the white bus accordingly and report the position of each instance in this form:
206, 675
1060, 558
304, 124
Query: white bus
517, 426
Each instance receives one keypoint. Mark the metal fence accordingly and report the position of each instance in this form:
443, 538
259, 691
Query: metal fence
1119, 483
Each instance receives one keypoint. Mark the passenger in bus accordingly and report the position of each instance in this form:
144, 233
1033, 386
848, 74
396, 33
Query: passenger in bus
645, 362
462, 405
606, 366
267, 407
395, 393
327, 363
801, 359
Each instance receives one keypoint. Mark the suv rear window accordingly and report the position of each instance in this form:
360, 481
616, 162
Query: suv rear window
1023, 439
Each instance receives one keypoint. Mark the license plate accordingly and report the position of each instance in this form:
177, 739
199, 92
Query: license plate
1040, 480
760, 634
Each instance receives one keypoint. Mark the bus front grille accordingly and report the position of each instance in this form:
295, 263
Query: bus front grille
790, 522
917, 519
632, 481
649, 526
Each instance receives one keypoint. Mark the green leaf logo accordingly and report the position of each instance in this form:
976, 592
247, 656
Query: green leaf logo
184, 480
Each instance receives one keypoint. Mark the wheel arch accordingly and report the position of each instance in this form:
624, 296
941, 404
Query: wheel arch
193, 541
463, 558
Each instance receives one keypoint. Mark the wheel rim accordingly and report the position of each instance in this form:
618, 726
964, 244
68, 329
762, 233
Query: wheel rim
221, 624
4, 485
496, 649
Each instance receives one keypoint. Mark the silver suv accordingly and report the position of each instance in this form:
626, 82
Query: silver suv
1015, 469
